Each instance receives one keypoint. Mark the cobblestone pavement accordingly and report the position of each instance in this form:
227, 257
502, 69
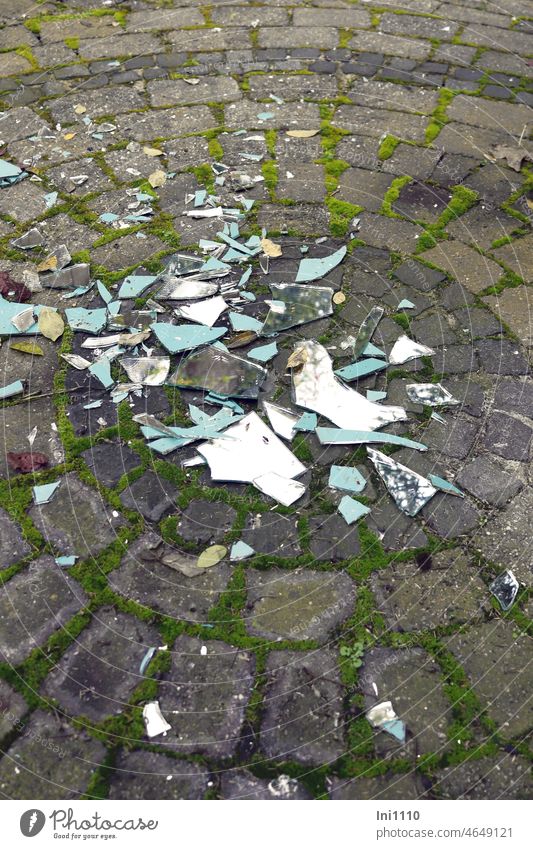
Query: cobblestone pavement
407, 99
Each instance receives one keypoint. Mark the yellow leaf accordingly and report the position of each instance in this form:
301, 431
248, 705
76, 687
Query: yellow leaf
79, 109
28, 348
158, 178
48, 264
69, 136
152, 151
270, 248
211, 556
339, 298
297, 358
302, 134
50, 324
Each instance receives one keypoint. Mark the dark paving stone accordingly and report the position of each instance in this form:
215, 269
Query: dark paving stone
448, 593
419, 201
332, 539
99, 672
204, 697
306, 183
153, 401
149, 775
506, 538
302, 720
419, 276
143, 577
476, 323
470, 395
392, 233
34, 604
507, 437
455, 359
450, 517
421, 704
464, 264
268, 533
454, 296
12, 709
204, 522
151, 495
76, 520
364, 188
51, 760
297, 605
242, 784
482, 225
89, 422
389, 786
452, 169
109, 461
504, 776
454, 439
395, 530
19, 420
413, 161
13, 547
127, 252
487, 481
495, 659
360, 151
433, 330
493, 183
515, 396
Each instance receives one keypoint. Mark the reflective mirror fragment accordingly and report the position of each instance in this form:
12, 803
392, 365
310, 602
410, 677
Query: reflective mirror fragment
296, 305
281, 420
432, 394
409, 489
367, 330
405, 349
220, 372
282, 489
149, 371
154, 721
505, 588
313, 269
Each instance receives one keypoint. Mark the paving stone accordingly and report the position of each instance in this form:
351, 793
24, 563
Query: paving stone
507, 437
415, 162
130, 164
127, 252
504, 540
89, 422
515, 396
476, 323
396, 531
213, 89
305, 184
301, 116
108, 461
51, 760
13, 546
455, 439
19, 421
321, 36
517, 255
291, 87
481, 226
198, 40
111, 101
390, 44
297, 605
166, 123
150, 775
61, 229
332, 539
452, 169
377, 122
383, 232
150, 495
161, 19
13, 63
505, 776
449, 593
234, 15
22, 123
118, 45
302, 720
204, 696
63, 177
364, 188
205, 522
500, 356
468, 140
268, 533
432, 329
455, 54
419, 201
99, 672
184, 153
143, 577
388, 786
488, 36
304, 218
385, 95
34, 604
419, 276
12, 709
76, 520
488, 481
242, 784
421, 704
485, 113
469, 268
495, 660
497, 61
450, 517
493, 183
22, 201
419, 26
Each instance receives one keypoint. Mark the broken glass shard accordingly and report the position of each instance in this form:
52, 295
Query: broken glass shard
340, 436
406, 305
11, 389
154, 721
367, 330
445, 486
204, 312
396, 728
32, 239
346, 478
135, 284
219, 372
282, 421
306, 423
316, 388
42, 494
23, 320
360, 369
149, 371
66, 278
313, 269
240, 551
183, 337
295, 305
432, 394
86, 321
375, 395
101, 369
76, 361
66, 560
240, 321
186, 290
351, 510
505, 587
406, 349
247, 450
263, 353
282, 489
409, 489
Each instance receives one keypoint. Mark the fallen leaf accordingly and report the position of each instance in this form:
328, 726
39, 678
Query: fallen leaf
79, 109
28, 348
339, 298
302, 134
69, 136
50, 324
191, 80
48, 264
514, 156
297, 358
158, 178
270, 248
211, 556
26, 461
133, 339
10, 287
152, 151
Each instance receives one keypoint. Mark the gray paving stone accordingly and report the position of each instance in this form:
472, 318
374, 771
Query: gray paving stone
150, 495
388, 786
332, 539
99, 672
303, 720
512, 305
433, 329
205, 522
364, 188
516, 256
488, 481
385, 95
469, 268
268, 533
413, 161
22, 201
204, 697
495, 660
297, 605
22, 123
304, 218
118, 45
240, 16
242, 784
51, 760
507, 437
514, 395
63, 177
19, 421
305, 184
321, 36
108, 461
292, 87
301, 116
166, 123
505, 776
493, 183
443, 30
501, 356
178, 92
12, 709
383, 232
196, 41
476, 323
76, 520
450, 517
162, 19
421, 704
150, 775
127, 251
390, 44
395, 530
420, 201
34, 604
371, 121
510, 117
481, 226
466, 140
455, 439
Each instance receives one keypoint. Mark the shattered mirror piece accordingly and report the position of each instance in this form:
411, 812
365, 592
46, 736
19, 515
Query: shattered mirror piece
183, 337
32, 239
263, 353
240, 551
248, 450
295, 305
12, 389
306, 423
211, 556
86, 321
346, 478
406, 349
505, 588
240, 321
219, 372
24, 320
146, 420
204, 312
76, 361
281, 420
445, 486
409, 489
26, 461
154, 721
66, 278
282, 489
179, 264
405, 304
351, 510
367, 330
396, 728
354, 371
10, 174
432, 394
340, 436
148, 371
383, 712
44, 493
135, 284
186, 290
313, 269
316, 388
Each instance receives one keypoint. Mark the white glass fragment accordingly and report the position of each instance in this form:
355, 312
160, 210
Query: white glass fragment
409, 489
406, 349
280, 488
282, 421
148, 371
204, 312
432, 394
154, 721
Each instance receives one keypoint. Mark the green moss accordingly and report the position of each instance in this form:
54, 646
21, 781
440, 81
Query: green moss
438, 116
387, 147
72, 41
392, 194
